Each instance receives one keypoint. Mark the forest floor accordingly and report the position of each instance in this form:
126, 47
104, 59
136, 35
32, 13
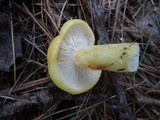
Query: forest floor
26, 91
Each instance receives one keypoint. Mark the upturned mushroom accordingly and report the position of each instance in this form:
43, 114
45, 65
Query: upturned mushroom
75, 63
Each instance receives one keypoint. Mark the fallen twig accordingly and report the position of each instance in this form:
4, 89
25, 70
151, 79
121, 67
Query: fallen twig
121, 94
99, 19
146, 100
27, 85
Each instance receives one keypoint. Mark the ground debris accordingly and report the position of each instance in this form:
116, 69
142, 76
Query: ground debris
117, 96
6, 54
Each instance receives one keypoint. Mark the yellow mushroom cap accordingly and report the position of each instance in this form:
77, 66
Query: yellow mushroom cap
74, 34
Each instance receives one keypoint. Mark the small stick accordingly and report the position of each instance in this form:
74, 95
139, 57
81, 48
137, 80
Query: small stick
98, 17
121, 94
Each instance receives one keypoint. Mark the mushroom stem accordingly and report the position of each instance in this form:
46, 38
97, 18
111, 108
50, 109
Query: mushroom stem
122, 57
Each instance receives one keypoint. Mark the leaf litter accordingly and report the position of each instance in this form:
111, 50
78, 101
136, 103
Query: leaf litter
116, 96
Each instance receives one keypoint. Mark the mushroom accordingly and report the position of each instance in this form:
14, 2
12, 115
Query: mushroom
75, 63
